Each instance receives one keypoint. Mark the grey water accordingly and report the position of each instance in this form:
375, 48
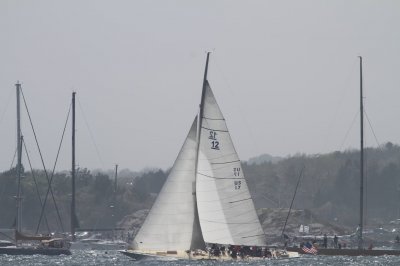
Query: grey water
112, 257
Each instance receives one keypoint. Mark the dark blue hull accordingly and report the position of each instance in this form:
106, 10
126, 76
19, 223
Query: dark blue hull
134, 255
33, 251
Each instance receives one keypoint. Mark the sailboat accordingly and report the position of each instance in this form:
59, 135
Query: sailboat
23, 243
205, 199
360, 251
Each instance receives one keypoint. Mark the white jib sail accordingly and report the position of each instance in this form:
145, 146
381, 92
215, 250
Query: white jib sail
170, 222
226, 210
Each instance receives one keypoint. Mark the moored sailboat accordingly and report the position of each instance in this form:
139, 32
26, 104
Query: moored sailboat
27, 244
360, 251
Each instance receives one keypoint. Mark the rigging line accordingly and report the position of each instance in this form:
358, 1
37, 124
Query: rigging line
34, 180
13, 160
106, 205
341, 99
365, 219
250, 211
3, 113
91, 134
5, 235
237, 104
294, 196
271, 200
261, 173
348, 131
229, 87
41, 157
373, 131
52, 176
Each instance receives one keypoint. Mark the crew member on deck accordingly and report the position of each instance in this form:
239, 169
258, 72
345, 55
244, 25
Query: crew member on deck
335, 241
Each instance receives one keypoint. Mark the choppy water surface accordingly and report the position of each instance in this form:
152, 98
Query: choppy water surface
80, 258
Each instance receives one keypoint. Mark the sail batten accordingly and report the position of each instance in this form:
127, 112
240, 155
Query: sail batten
214, 129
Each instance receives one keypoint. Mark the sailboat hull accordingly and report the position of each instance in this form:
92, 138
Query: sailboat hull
13, 250
350, 252
134, 255
139, 255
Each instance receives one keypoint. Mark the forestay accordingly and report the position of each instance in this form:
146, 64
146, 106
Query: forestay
170, 224
226, 210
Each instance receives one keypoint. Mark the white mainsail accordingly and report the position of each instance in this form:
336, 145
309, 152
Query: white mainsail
172, 222
226, 210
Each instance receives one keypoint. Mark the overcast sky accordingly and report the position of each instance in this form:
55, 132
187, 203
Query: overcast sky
285, 74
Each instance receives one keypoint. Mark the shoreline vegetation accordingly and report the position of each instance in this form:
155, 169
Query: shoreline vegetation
327, 198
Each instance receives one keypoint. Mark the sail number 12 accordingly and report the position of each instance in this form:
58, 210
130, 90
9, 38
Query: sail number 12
214, 141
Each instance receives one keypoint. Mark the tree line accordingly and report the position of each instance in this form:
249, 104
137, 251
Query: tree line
329, 188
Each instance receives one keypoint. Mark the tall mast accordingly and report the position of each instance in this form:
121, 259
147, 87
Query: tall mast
200, 123
200, 118
202, 100
73, 216
360, 236
18, 221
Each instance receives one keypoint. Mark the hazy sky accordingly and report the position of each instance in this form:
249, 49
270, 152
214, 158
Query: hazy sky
285, 74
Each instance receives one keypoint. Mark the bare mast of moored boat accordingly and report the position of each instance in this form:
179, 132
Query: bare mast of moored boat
18, 219
360, 233
73, 215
